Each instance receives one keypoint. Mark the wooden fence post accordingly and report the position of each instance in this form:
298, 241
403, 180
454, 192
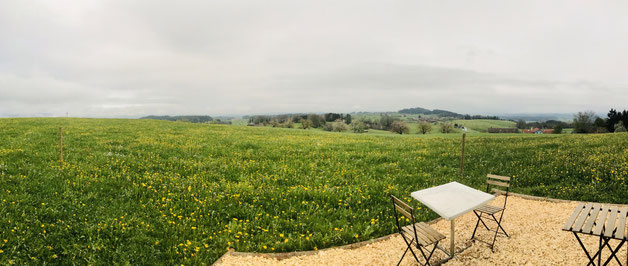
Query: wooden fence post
462, 155
60, 144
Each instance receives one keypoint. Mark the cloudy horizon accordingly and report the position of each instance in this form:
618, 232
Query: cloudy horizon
131, 59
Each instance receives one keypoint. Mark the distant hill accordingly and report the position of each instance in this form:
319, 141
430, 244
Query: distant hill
186, 118
444, 113
416, 110
539, 116
423, 111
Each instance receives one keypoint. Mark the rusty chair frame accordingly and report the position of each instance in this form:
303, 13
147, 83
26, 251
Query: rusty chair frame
418, 234
489, 211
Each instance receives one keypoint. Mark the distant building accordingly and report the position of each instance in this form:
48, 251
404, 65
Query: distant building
538, 131
503, 130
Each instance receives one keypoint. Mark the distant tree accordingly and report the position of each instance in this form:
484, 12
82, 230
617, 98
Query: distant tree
583, 122
275, 123
620, 127
558, 129
447, 128
348, 119
521, 124
599, 122
306, 124
317, 120
340, 126
288, 124
386, 122
260, 120
400, 127
331, 117
624, 117
425, 127
358, 126
328, 127
613, 118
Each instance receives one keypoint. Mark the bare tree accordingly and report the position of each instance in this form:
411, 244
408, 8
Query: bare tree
425, 127
400, 127
583, 122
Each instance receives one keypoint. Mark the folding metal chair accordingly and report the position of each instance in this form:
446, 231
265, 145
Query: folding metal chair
420, 234
489, 211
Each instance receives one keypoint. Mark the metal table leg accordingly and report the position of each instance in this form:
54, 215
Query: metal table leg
451, 241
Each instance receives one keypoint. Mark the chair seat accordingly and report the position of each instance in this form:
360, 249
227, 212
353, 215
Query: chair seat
489, 209
426, 234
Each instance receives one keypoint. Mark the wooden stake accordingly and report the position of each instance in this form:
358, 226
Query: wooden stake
60, 144
462, 156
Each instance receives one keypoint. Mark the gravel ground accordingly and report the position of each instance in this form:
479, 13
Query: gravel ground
534, 227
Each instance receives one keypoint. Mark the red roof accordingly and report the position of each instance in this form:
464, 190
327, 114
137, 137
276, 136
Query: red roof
534, 130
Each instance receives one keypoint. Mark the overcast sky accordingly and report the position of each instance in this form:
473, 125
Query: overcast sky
134, 58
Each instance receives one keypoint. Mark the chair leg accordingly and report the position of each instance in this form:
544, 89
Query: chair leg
427, 260
408, 248
614, 252
402, 256
499, 224
413, 254
476, 227
480, 217
478, 223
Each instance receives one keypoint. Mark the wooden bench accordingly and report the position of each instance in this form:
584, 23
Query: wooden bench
602, 220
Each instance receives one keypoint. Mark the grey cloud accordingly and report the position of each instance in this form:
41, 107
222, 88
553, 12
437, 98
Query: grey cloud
133, 58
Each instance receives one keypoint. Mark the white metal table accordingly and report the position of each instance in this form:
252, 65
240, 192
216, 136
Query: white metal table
450, 201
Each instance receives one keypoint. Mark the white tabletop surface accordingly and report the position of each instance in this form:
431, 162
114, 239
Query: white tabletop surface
452, 199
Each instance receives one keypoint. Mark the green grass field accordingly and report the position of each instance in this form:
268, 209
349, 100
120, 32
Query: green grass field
158, 192
482, 125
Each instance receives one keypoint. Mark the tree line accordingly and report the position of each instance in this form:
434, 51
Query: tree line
445, 113
589, 122
188, 118
343, 122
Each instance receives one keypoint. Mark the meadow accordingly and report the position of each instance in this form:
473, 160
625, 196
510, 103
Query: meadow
159, 192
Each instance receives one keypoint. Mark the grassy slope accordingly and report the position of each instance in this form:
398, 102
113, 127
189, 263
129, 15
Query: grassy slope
153, 192
482, 125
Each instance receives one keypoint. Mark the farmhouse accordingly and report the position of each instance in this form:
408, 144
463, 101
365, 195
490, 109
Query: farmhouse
502, 130
538, 131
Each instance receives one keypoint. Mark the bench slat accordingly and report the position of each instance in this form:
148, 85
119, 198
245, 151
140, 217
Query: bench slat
401, 203
404, 212
496, 183
621, 223
589, 224
504, 178
573, 217
610, 227
597, 230
420, 229
583, 217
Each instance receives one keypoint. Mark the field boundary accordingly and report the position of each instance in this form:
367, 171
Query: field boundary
285, 255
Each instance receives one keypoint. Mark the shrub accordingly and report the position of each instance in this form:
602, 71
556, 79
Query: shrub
328, 127
306, 124
358, 126
288, 124
447, 128
620, 127
339, 126
558, 129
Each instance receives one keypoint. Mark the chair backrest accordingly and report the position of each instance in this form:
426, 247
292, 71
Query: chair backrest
401, 210
498, 181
